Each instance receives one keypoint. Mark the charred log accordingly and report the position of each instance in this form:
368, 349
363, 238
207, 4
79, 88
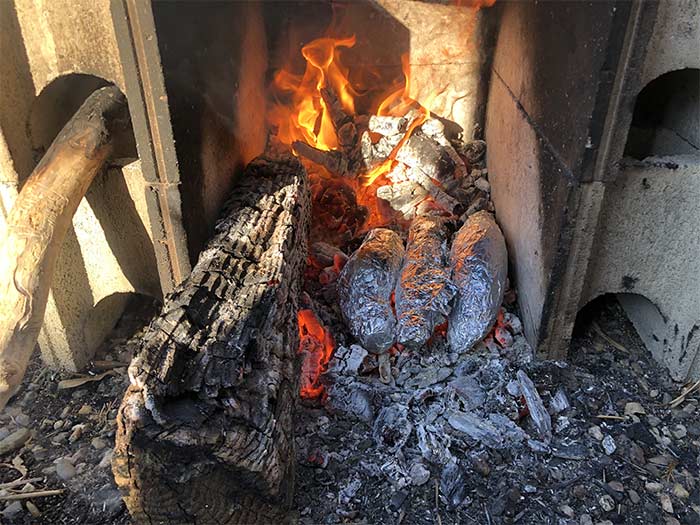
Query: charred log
205, 428
334, 161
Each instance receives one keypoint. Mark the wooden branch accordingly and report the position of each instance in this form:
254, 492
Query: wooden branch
40, 220
205, 431
334, 161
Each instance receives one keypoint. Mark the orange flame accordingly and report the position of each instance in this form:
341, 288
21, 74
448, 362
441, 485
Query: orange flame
300, 113
309, 120
316, 347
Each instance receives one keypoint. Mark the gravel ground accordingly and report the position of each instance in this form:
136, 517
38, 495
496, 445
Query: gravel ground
639, 464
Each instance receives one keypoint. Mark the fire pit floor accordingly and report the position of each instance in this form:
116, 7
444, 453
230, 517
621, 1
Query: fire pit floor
441, 446
634, 468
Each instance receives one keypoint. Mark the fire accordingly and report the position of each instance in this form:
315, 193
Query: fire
316, 347
300, 112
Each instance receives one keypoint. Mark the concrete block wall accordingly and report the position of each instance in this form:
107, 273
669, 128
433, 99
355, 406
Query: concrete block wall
646, 248
51, 49
648, 251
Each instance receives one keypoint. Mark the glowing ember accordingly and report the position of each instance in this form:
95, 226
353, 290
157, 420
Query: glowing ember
316, 347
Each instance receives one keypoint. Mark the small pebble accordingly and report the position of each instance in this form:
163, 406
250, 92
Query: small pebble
419, 474
22, 420
633, 496
106, 460
98, 444
633, 408
653, 487
65, 469
680, 492
606, 503
567, 511
616, 486
596, 433
12, 509
609, 444
33, 509
585, 519
666, 504
579, 491
85, 410
77, 433
58, 425
482, 184
679, 431
653, 420
14, 441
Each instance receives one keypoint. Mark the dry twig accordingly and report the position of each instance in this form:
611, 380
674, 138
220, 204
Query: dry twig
35, 494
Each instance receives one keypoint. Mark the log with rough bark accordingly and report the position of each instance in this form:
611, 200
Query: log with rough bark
40, 220
205, 431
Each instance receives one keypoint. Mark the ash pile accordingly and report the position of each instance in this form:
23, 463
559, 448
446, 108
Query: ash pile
422, 401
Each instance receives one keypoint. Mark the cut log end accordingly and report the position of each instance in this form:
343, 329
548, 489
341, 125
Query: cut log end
205, 432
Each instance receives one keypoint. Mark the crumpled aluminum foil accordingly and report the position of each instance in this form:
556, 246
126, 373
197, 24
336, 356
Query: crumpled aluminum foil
424, 291
365, 286
479, 263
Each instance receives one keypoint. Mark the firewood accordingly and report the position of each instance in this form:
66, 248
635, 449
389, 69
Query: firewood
423, 153
410, 187
387, 125
325, 254
345, 128
334, 161
39, 221
205, 429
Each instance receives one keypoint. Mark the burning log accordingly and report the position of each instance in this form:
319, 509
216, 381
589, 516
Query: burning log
40, 220
387, 125
365, 287
338, 216
343, 124
424, 290
479, 269
205, 428
334, 161
326, 254
411, 186
422, 152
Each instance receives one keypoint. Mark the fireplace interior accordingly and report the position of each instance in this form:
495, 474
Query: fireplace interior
368, 221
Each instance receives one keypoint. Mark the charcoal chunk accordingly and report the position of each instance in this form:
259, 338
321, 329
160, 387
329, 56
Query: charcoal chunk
453, 485
365, 286
540, 417
424, 290
392, 427
479, 268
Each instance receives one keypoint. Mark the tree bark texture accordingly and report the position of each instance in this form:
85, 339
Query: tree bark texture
205, 430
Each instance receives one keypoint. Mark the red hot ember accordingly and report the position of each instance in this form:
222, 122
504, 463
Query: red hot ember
316, 347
